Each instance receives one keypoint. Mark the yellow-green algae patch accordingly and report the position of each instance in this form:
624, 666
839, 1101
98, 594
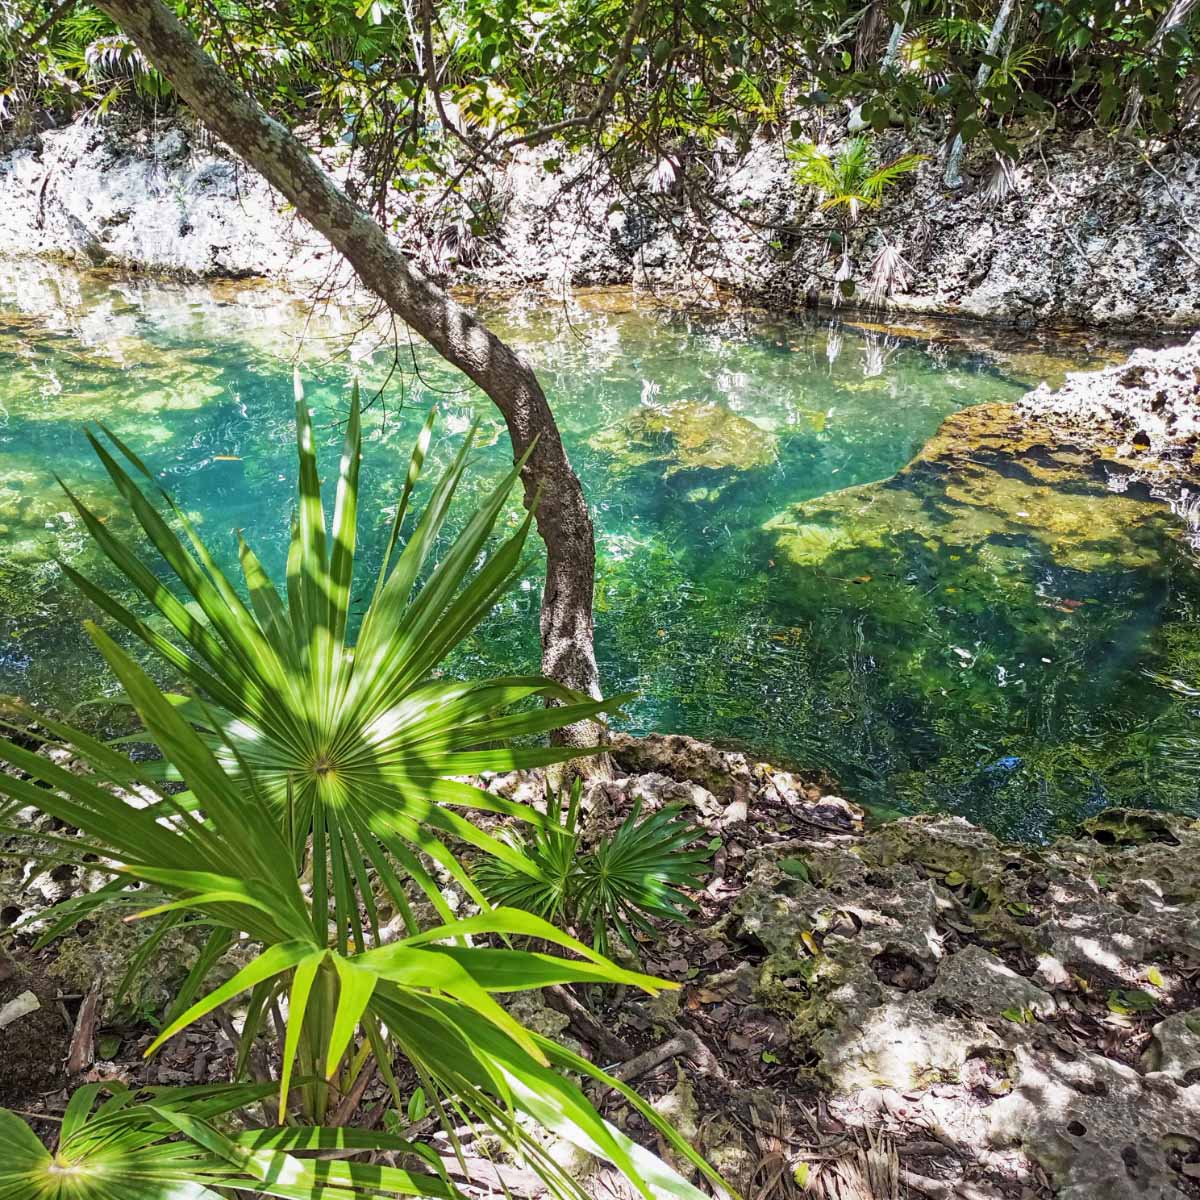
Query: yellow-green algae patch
986, 481
688, 435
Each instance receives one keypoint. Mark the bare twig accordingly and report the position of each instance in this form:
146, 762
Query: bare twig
348, 1105
613, 1047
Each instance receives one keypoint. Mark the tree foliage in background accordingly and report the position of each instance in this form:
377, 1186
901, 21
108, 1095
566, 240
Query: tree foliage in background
406, 83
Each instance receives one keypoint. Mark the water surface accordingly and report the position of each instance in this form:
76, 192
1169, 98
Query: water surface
979, 637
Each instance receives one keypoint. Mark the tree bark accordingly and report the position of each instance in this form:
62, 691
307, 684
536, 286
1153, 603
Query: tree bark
891, 56
563, 519
952, 177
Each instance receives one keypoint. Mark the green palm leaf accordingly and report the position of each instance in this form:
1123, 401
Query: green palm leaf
161, 1145
433, 992
353, 744
621, 882
847, 177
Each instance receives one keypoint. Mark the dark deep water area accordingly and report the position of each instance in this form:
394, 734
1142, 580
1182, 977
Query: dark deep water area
995, 641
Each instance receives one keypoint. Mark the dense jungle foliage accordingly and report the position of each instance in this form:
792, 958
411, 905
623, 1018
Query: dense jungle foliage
423, 92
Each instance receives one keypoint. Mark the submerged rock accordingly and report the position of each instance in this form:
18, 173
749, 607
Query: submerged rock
688, 436
987, 483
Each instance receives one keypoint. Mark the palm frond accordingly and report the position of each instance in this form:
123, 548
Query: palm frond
879, 180
626, 879
1001, 180
164, 1144
355, 745
433, 992
889, 273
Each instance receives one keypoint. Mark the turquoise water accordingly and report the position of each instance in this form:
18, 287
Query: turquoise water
977, 636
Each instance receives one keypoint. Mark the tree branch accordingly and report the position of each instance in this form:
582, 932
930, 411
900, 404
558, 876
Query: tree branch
458, 336
615, 74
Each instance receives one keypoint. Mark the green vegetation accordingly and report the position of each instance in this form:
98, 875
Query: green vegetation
216, 857
848, 178
408, 88
354, 744
315, 791
167, 1144
633, 873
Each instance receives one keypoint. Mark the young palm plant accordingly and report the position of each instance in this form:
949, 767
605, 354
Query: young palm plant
849, 179
218, 858
356, 747
628, 877
165, 1144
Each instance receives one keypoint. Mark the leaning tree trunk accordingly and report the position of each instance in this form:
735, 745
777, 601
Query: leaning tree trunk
891, 56
952, 176
562, 515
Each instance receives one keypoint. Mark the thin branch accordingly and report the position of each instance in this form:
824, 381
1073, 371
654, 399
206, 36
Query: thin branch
44, 28
604, 100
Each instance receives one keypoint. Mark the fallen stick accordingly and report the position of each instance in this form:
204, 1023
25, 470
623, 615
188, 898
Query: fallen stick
348, 1105
681, 1043
613, 1047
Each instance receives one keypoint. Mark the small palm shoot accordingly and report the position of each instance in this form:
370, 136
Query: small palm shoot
636, 874
848, 178
849, 181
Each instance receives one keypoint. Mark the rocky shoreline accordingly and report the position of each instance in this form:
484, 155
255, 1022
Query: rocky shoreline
1094, 233
990, 1020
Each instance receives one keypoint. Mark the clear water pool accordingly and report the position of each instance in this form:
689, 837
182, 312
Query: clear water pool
978, 634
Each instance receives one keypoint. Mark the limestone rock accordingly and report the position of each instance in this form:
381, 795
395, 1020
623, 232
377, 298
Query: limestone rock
1101, 1130
161, 198
724, 773
1175, 1050
1144, 413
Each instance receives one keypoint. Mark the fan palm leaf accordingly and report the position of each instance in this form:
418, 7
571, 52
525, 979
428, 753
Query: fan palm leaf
356, 745
629, 876
162, 1144
848, 178
221, 861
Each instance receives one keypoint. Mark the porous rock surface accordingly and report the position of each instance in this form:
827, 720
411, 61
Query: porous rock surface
1093, 232
1144, 411
1012, 1000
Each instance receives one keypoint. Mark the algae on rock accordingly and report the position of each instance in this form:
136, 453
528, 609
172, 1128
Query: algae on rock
687, 435
982, 481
